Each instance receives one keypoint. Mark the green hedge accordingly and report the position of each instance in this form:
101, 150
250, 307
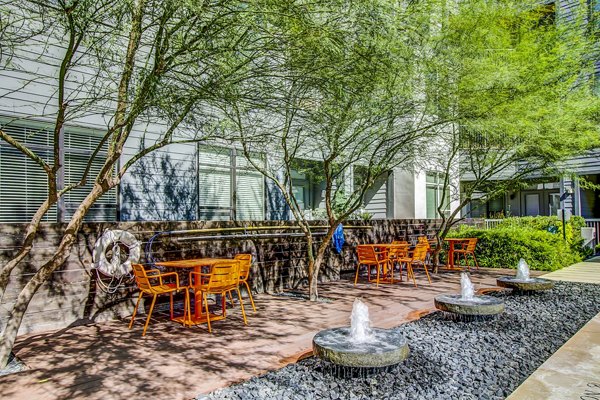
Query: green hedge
538, 240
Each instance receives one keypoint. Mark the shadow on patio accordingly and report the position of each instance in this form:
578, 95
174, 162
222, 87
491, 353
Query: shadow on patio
108, 361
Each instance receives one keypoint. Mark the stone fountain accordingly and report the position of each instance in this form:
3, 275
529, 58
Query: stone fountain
467, 303
522, 282
360, 345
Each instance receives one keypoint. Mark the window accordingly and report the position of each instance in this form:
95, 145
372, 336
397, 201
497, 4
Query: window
308, 184
214, 183
24, 185
228, 186
79, 146
250, 189
434, 190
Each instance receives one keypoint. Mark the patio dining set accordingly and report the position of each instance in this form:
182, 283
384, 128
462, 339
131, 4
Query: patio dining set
207, 276
384, 260
220, 277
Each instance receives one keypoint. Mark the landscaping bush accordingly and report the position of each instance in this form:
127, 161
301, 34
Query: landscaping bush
538, 240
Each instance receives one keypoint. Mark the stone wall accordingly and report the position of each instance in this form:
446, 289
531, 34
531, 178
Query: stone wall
75, 294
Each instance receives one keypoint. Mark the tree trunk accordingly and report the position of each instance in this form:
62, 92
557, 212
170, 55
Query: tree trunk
317, 261
312, 271
13, 323
313, 279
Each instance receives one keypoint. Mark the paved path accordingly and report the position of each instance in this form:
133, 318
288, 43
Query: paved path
107, 361
573, 372
587, 271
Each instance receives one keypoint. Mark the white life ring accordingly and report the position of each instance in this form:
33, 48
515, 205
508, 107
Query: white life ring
110, 240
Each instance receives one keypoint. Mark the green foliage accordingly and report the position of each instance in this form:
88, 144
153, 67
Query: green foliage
539, 240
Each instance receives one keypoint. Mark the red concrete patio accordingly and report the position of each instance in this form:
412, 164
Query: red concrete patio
109, 361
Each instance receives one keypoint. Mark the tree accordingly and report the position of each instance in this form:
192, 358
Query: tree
517, 83
344, 97
133, 62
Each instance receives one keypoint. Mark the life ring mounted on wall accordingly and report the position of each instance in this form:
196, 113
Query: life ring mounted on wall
109, 257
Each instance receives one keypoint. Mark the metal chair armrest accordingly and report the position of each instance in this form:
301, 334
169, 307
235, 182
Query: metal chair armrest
200, 276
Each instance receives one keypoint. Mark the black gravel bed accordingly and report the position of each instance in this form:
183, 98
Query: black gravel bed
481, 359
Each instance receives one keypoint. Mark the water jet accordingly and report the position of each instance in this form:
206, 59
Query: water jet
522, 282
360, 345
467, 304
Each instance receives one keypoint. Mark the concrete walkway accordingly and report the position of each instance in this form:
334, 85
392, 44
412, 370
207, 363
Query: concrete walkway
573, 372
587, 271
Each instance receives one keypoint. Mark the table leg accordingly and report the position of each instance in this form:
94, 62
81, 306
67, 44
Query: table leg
451, 255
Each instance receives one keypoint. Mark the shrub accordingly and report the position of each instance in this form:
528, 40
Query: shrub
505, 244
553, 225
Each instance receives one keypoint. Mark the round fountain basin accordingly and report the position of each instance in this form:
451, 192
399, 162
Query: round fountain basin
387, 347
479, 305
525, 285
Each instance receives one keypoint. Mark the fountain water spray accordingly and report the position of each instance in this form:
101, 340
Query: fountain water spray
522, 282
467, 290
360, 325
357, 348
522, 270
468, 306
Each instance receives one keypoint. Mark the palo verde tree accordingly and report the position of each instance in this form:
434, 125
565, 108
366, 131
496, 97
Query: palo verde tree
515, 78
129, 64
343, 98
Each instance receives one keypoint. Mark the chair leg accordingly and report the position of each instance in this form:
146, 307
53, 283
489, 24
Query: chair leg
231, 299
409, 270
400, 264
205, 299
149, 314
250, 295
224, 304
356, 275
475, 259
410, 273
427, 273
242, 305
400, 270
135, 309
171, 303
187, 313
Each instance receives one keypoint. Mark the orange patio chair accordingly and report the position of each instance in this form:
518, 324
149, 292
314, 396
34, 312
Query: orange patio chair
369, 257
395, 253
424, 240
144, 279
245, 266
223, 279
418, 258
468, 248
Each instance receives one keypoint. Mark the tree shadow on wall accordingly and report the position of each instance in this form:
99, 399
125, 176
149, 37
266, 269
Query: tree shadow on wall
160, 189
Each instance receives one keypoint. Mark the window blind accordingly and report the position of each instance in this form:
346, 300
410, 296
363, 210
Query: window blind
79, 146
224, 177
214, 183
23, 183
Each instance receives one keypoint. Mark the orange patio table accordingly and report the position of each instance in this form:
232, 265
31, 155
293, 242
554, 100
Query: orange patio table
196, 263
